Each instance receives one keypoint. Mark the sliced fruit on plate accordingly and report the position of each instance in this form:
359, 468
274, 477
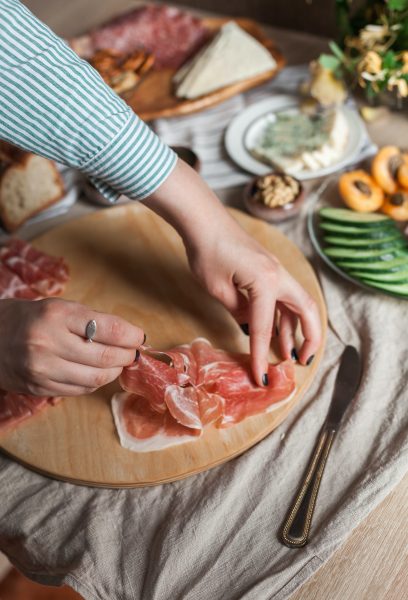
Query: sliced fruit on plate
386, 277
396, 288
396, 264
385, 166
354, 254
376, 232
360, 192
349, 217
396, 206
395, 240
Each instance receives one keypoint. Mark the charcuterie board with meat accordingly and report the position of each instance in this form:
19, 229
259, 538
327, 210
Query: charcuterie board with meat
165, 62
127, 261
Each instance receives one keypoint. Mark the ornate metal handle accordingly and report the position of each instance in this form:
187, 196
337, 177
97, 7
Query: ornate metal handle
296, 528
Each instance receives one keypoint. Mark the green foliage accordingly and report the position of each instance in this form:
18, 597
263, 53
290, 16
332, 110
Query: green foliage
398, 5
329, 62
390, 61
336, 50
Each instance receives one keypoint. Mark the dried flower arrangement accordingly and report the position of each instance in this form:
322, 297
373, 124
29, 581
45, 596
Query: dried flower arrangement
373, 51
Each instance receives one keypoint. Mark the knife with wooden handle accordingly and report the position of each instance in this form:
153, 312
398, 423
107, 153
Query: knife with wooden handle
296, 528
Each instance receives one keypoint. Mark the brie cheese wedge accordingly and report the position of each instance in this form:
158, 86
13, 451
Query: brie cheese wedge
233, 55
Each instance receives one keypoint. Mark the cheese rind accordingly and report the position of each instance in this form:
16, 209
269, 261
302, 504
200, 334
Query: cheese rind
297, 142
232, 56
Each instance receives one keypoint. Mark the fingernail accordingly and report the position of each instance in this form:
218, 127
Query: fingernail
144, 339
277, 330
245, 328
310, 360
137, 355
265, 379
294, 354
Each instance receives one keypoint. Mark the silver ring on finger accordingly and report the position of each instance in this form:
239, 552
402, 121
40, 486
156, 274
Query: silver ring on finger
90, 330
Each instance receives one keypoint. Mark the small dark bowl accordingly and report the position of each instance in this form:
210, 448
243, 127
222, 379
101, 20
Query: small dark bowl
272, 214
188, 155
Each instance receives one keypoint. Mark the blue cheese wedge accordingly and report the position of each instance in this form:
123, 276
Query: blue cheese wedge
295, 141
232, 56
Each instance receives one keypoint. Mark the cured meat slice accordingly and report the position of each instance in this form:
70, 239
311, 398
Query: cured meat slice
205, 386
150, 378
27, 273
170, 34
46, 275
15, 408
142, 429
12, 286
242, 398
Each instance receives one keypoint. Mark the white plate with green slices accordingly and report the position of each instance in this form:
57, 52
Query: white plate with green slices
275, 133
369, 249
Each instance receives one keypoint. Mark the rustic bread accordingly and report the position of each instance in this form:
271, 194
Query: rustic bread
28, 184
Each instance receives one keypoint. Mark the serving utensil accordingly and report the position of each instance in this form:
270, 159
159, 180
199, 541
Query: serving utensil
296, 528
161, 356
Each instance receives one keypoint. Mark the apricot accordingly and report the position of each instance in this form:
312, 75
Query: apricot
396, 206
385, 167
360, 192
402, 174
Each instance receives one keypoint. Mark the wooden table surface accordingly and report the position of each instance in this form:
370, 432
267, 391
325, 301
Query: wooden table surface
373, 563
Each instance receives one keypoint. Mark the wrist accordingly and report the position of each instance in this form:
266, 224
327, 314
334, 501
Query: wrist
186, 202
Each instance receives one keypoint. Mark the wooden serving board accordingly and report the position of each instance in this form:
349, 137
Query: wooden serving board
154, 98
127, 261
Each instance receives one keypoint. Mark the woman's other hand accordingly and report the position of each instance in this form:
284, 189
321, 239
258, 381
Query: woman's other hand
237, 270
44, 350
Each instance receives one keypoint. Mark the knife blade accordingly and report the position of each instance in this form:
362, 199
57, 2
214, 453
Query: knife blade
296, 528
345, 387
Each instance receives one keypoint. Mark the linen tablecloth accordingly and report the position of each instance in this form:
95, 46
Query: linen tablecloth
214, 536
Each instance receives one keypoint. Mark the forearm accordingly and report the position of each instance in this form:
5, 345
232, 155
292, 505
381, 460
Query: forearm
55, 104
186, 202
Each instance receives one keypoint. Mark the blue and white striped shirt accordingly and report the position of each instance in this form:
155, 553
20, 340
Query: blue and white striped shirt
55, 104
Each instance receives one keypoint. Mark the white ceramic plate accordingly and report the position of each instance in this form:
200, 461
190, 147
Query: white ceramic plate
245, 129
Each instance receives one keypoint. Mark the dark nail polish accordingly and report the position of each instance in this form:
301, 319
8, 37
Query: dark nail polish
144, 339
137, 355
277, 330
294, 354
310, 360
245, 328
265, 379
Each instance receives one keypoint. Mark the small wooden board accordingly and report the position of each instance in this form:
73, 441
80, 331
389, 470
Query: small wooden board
127, 261
154, 97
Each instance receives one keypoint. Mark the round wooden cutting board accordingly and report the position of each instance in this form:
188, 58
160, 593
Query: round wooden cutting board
127, 261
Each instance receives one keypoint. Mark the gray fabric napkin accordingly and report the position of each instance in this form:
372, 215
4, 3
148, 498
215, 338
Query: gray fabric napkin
214, 536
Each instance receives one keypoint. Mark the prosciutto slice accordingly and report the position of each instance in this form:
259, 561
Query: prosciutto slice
30, 274
170, 34
15, 408
166, 406
12, 286
45, 275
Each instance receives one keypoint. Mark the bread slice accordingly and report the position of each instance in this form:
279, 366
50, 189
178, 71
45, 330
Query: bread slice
28, 184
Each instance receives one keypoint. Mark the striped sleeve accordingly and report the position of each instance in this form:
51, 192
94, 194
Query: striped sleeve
55, 104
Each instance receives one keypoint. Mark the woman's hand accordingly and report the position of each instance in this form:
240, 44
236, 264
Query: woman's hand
252, 284
44, 350
235, 269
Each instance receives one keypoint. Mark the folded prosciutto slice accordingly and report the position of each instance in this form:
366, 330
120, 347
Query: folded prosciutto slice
41, 273
165, 406
15, 408
29, 274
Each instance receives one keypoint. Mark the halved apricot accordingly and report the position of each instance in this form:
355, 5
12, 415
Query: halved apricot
402, 174
360, 192
396, 206
385, 166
